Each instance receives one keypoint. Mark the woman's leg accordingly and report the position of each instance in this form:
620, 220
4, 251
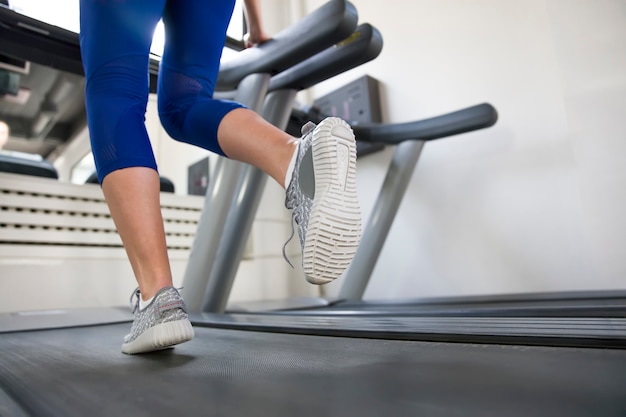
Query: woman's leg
115, 40
133, 196
271, 150
323, 200
195, 31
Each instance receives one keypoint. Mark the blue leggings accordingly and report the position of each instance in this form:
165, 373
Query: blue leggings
115, 39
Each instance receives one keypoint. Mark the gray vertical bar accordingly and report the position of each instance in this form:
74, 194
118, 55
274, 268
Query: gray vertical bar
242, 213
375, 233
223, 188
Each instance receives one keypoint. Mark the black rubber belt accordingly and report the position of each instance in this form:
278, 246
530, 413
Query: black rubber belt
562, 332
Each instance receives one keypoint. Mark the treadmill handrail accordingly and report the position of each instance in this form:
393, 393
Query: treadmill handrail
362, 46
325, 26
32, 40
469, 119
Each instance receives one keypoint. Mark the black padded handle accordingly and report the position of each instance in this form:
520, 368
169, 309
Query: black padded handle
472, 118
363, 45
325, 26
33, 40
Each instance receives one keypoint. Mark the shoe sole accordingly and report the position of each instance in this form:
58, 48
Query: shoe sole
161, 336
334, 228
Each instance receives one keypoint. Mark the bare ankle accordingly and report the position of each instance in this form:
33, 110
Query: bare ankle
149, 290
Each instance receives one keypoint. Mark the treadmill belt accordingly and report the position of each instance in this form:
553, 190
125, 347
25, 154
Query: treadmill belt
540, 331
81, 372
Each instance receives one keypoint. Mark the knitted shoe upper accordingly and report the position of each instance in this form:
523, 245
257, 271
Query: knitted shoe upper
166, 306
301, 190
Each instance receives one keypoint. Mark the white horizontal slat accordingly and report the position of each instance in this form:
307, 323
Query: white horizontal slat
189, 202
23, 254
59, 237
17, 254
56, 220
29, 202
179, 241
41, 202
53, 220
68, 237
184, 215
181, 228
26, 183
53, 204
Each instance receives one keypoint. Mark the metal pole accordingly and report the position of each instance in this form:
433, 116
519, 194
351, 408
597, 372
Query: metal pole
223, 188
242, 213
375, 233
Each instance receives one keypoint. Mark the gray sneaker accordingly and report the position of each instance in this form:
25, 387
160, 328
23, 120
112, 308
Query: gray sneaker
322, 194
163, 323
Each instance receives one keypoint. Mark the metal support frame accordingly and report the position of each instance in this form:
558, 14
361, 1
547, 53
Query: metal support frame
217, 204
375, 233
242, 212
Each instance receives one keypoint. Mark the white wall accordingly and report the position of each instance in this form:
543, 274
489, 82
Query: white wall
535, 203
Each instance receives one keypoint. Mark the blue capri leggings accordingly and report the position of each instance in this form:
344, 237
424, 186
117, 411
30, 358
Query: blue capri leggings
115, 39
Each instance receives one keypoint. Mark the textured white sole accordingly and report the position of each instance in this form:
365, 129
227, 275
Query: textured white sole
334, 229
161, 336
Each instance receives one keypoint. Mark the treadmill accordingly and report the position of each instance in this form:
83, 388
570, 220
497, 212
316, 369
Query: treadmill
68, 363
